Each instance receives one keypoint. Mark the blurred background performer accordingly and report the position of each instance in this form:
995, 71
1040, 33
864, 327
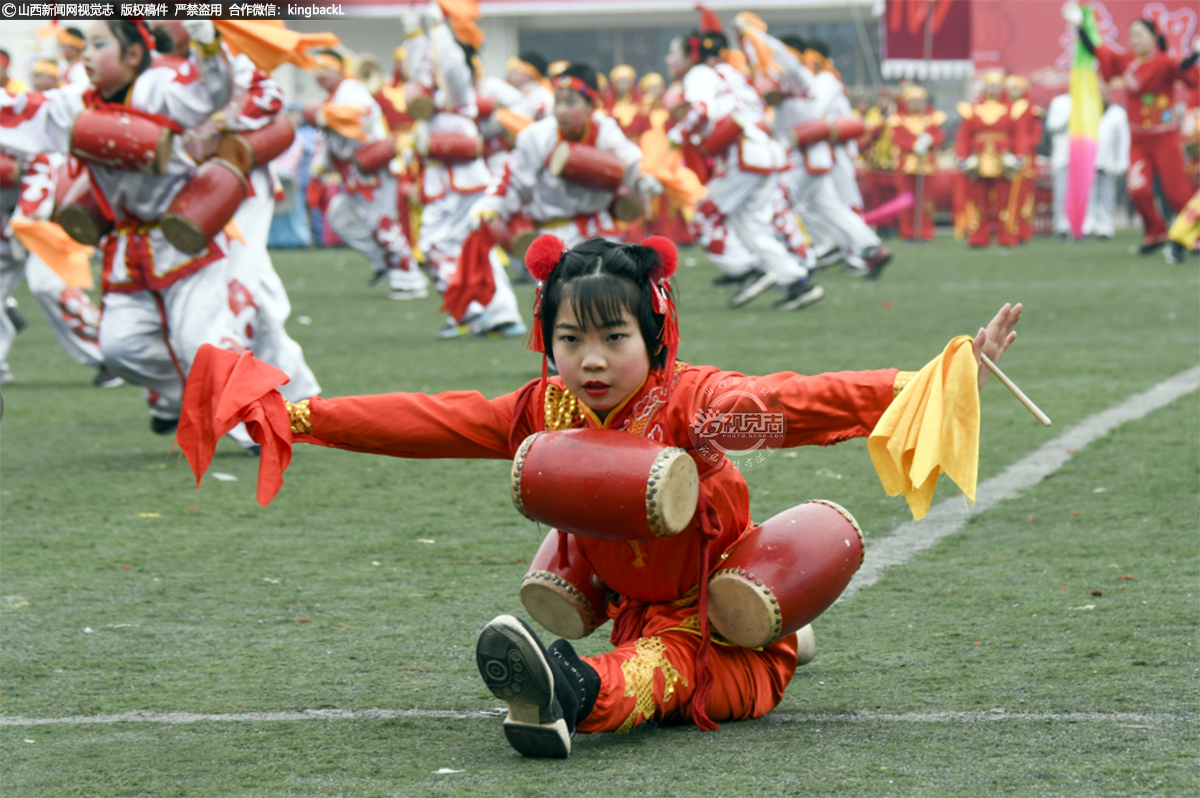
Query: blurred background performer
439, 52
73, 317
989, 149
256, 294
1029, 127
734, 222
363, 211
1156, 150
917, 134
838, 232
70, 66
1112, 160
160, 303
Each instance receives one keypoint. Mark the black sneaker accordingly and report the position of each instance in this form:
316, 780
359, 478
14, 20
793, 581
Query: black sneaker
876, 258
105, 378
17, 318
1149, 247
163, 426
801, 295
513, 664
726, 280
1175, 253
377, 278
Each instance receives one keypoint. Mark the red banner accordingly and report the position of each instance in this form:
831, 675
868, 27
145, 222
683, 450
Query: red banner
904, 29
1030, 37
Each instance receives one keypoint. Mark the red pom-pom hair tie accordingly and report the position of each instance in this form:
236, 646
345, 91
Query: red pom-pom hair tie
668, 262
543, 255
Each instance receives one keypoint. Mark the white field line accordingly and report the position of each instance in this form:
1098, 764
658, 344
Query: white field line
1040, 285
992, 716
909, 539
949, 516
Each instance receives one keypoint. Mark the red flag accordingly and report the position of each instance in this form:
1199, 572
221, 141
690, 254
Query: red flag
224, 388
473, 281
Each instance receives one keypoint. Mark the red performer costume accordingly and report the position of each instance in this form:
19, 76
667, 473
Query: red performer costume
989, 148
916, 134
1156, 150
1029, 119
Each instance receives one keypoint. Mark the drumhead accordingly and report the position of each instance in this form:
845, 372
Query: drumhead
672, 493
559, 158
740, 611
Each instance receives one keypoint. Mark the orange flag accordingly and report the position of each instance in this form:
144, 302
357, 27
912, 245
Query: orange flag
65, 256
270, 45
462, 16
512, 122
346, 119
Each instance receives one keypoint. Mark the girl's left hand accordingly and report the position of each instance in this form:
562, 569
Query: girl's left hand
996, 337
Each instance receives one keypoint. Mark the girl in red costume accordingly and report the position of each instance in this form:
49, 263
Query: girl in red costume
1155, 147
606, 319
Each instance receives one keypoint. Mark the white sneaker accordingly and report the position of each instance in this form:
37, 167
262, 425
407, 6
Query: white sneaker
407, 293
752, 289
801, 295
6, 375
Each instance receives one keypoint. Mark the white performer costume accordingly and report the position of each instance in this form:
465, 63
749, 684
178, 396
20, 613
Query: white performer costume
1112, 161
573, 213
532, 100
449, 191
160, 304
73, 317
363, 212
73, 74
809, 181
256, 294
845, 179
735, 222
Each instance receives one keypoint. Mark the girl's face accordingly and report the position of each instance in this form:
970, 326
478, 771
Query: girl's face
108, 70
1141, 40
677, 63
572, 110
603, 365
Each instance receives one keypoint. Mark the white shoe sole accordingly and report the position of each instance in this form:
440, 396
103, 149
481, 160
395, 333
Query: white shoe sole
804, 300
508, 659
752, 291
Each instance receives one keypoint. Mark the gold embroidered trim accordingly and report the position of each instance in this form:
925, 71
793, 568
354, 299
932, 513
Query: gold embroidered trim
651, 655
300, 416
902, 378
561, 409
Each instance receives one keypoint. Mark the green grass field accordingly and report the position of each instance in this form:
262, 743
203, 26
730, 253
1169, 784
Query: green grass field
973, 669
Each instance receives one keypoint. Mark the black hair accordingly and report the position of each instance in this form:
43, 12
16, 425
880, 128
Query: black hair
1149, 25
577, 69
700, 45
819, 46
472, 57
536, 61
794, 41
127, 34
600, 279
334, 53
76, 32
163, 41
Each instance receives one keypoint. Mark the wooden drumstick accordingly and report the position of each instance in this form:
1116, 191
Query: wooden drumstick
1017, 392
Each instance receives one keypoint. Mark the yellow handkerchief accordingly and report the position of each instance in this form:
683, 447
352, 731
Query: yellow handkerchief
930, 428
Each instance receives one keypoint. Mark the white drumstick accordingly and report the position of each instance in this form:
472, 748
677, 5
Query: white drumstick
1017, 392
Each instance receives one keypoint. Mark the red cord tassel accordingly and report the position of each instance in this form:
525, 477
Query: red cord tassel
710, 526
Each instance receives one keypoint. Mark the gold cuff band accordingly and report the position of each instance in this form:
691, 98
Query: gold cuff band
902, 378
300, 416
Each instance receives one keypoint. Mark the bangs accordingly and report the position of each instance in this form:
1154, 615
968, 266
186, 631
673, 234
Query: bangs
600, 300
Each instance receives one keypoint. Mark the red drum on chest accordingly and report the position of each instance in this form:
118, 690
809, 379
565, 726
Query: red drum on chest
121, 140
605, 484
